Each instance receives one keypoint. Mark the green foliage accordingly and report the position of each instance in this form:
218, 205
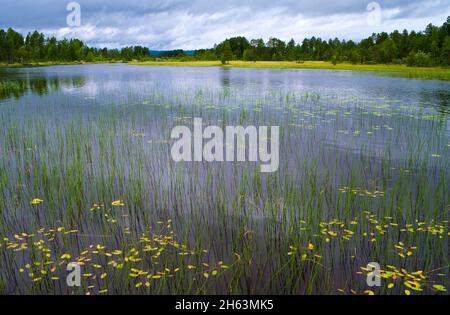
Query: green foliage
334, 60
225, 52
428, 48
35, 47
419, 59
249, 55
234, 46
445, 54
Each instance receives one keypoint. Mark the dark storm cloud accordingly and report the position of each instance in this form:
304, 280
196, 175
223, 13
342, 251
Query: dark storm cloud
201, 23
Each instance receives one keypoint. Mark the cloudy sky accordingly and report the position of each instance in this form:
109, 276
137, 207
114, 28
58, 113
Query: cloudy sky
173, 24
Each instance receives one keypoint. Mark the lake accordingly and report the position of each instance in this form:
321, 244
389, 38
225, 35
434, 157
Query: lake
85, 167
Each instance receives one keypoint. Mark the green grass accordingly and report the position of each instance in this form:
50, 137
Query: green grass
401, 70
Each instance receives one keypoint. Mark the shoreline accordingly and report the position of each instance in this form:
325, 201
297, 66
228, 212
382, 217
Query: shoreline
425, 73
432, 73
49, 64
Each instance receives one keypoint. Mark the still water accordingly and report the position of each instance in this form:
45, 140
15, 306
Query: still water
364, 108
352, 146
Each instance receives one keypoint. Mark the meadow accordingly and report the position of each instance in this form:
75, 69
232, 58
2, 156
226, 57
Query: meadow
86, 176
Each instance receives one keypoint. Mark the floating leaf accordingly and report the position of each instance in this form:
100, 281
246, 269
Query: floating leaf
440, 288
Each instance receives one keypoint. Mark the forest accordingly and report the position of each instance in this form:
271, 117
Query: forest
427, 48
35, 47
430, 47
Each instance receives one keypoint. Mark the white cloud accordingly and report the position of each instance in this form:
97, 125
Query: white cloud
200, 24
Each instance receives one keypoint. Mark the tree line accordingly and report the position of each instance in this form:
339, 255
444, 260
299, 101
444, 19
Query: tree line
35, 47
430, 47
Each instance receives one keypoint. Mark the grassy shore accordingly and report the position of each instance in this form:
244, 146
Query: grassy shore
435, 73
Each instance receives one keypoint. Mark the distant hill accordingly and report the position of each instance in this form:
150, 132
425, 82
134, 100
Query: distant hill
170, 53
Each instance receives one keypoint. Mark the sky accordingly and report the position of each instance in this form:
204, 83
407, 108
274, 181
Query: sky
195, 24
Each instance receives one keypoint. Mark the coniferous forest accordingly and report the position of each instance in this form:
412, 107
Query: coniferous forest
35, 47
430, 47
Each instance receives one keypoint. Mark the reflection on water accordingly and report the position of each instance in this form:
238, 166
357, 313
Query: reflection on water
225, 77
440, 99
346, 109
13, 85
352, 146
122, 79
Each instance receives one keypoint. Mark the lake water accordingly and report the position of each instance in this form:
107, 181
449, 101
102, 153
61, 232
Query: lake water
297, 98
330, 117
350, 143
91, 81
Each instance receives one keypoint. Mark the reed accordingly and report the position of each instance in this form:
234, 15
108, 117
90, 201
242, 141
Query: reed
97, 186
